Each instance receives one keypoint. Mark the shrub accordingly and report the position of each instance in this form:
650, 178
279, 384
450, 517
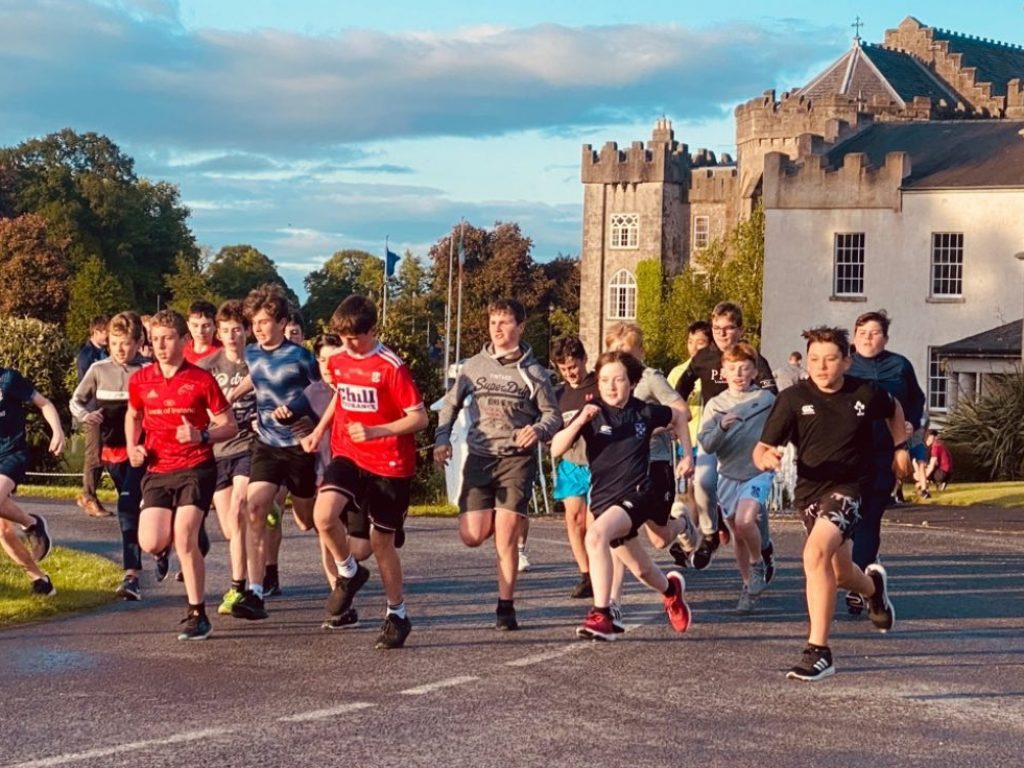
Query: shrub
991, 427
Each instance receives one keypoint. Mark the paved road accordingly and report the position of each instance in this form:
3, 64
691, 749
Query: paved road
946, 688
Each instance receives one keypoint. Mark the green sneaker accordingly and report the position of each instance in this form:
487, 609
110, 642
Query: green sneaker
231, 597
274, 517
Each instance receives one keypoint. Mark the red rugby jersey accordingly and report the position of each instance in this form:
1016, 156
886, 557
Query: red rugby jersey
374, 389
191, 392
194, 357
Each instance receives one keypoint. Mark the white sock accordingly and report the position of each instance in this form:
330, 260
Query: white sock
397, 610
257, 589
348, 568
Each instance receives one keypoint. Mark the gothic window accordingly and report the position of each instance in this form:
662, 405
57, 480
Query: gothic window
947, 264
848, 264
625, 230
622, 296
701, 232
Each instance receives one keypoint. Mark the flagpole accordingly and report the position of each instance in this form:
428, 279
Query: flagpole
448, 312
384, 287
458, 321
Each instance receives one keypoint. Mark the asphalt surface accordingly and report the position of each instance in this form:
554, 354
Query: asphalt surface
945, 688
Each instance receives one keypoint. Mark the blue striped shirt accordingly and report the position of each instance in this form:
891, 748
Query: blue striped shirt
279, 376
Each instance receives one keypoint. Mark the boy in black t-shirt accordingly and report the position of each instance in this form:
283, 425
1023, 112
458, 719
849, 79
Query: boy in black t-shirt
829, 418
617, 432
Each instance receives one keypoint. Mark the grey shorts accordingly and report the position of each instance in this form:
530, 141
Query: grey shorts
498, 482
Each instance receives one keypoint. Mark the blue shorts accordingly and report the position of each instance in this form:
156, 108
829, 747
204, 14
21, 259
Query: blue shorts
732, 492
14, 466
571, 481
919, 452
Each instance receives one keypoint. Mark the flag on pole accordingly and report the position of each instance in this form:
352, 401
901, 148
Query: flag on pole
462, 251
391, 262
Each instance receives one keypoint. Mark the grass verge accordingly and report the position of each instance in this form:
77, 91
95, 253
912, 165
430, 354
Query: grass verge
82, 580
996, 494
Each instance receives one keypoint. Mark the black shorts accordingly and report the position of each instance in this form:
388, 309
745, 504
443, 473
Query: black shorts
191, 487
372, 499
230, 467
498, 482
289, 466
942, 476
14, 465
638, 503
840, 509
662, 492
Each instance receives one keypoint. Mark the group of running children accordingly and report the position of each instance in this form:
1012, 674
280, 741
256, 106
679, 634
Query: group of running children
234, 425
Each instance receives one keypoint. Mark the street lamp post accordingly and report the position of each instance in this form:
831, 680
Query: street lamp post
1019, 256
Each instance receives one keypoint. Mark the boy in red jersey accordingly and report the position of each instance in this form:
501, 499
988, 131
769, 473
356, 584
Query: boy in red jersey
182, 411
375, 415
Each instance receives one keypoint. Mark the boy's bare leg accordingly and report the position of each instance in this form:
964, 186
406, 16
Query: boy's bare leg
576, 530
17, 551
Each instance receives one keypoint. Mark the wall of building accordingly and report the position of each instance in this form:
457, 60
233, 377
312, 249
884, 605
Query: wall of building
799, 269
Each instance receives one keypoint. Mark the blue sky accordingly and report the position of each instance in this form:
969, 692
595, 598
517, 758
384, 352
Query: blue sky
309, 126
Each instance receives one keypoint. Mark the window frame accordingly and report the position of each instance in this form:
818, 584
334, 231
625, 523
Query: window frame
624, 231
697, 245
945, 254
622, 290
938, 384
848, 249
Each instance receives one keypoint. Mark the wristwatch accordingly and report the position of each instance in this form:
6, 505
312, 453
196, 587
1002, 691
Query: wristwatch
204, 436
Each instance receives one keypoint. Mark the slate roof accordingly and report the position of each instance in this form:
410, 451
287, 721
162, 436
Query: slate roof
945, 154
1003, 341
996, 62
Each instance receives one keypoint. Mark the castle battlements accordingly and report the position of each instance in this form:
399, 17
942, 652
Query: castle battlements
663, 159
812, 183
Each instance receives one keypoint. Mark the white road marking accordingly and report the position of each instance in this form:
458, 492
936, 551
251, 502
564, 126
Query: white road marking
538, 658
451, 682
320, 714
92, 754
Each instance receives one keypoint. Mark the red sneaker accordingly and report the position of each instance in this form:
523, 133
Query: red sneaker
597, 626
675, 604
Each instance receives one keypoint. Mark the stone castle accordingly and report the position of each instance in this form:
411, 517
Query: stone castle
660, 201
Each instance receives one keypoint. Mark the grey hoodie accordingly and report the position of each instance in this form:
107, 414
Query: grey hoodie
734, 447
505, 396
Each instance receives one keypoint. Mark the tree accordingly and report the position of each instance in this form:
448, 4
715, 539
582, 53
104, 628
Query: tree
990, 428
86, 189
238, 269
650, 312
346, 272
188, 283
35, 270
94, 291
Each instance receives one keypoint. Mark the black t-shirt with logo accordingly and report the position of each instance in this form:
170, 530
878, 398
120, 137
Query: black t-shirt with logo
570, 401
618, 444
706, 367
832, 432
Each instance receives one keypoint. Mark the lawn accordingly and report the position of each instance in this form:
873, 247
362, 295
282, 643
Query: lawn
82, 580
996, 494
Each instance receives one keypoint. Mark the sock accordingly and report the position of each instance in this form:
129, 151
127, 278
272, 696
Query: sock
397, 610
238, 585
606, 611
505, 605
348, 568
199, 609
670, 591
271, 572
257, 589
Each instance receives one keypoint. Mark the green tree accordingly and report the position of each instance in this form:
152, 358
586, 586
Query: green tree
650, 312
238, 269
346, 272
35, 271
188, 283
94, 291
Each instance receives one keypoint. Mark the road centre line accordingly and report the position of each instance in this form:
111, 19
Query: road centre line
92, 754
320, 714
538, 658
451, 682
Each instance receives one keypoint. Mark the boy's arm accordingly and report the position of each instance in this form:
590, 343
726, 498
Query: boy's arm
53, 419
311, 442
681, 427
897, 425
132, 433
767, 458
563, 440
82, 396
412, 422
243, 388
550, 420
712, 434
446, 418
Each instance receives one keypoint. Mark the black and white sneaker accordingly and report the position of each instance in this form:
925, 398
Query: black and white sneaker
197, 627
347, 620
340, 599
43, 587
880, 609
815, 664
768, 558
705, 552
854, 604
163, 564
393, 632
679, 555
250, 607
583, 589
129, 589
38, 536
505, 620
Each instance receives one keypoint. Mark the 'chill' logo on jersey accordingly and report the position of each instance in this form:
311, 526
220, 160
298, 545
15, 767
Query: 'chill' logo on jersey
807, 410
859, 408
355, 398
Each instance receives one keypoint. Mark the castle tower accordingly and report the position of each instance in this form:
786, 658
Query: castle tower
634, 208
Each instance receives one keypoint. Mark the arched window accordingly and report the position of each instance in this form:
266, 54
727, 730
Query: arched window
622, 296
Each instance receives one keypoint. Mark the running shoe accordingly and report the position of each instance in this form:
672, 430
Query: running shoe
705, 553
854, 604
746, 601
348, 620
597, 626
583, 590
43, 587
179, 577
163, 564
758, 578
231, 597
38, 537
675, 604
505, 620
250, 607
680, 555
524, 561
688, 537
271, 584
274, 516
129, 589
197, 627
340, 599
768, 558
617, 623
393, 632
815, 664
724, 533
880, 609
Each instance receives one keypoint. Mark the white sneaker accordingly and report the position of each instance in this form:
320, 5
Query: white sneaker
688, 537
758, 583
746, 602
617, 623
524, 561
